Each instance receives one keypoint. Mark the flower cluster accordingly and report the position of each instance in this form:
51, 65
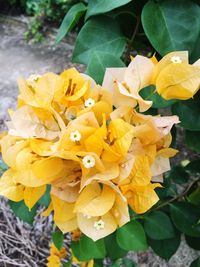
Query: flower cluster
87, 141
54, 260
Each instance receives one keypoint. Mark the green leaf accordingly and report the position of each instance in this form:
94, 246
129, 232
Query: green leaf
193, 167
131, 236
193, 242
98, 63
157, 225
98, 34
171, 25
22, 212
188, 112
45, 199
113, 249
178, 175
70, 20
117, 263
58, 238
86, 249
149, 93
194, 197
195, 263
192, 140
165, 248
102, 6
3, 166
185, 217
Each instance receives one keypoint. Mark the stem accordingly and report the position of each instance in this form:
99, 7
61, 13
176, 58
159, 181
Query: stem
127, 55
184, 193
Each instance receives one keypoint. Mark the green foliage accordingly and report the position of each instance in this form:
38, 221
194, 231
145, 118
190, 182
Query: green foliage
131, 236
89, 40
192, 140
22, 212
114, 251
58, 238
86, 249
98, 63
165, 248
158, 226
173, 20
195, 263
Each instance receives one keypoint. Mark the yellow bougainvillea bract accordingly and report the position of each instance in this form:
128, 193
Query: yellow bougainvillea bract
87, 141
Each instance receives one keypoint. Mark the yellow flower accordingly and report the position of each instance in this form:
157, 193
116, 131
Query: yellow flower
54, 260
175, 78
139, 191
125, 83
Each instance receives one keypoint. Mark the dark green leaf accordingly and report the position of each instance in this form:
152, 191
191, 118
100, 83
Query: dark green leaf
102, 6
193, 167
185, 217
86, 249
194, 197
113, 250
168, 24
188, 112
22, 212
98, 63
192, 140
131, 236
195, 263
70, 20
45, 199
149, 93
98, 34
178, 175
158, 226
117, 263
165, 248
58, 239
193, 242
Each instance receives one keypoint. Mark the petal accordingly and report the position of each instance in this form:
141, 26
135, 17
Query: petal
32, 195
87, 226
10, 189
91, 205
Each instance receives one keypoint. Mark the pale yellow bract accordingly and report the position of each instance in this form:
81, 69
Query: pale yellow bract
99, 160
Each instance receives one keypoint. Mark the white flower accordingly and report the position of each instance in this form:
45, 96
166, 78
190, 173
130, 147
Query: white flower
99, 225
89, 103
75, 136
176, 59
89, 161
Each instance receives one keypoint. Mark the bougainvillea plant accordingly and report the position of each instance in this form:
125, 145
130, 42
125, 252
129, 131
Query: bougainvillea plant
94, 150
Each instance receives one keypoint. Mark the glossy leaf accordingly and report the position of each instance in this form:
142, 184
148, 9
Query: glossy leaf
194, 197
86, 249
45, 199
131, 236
70, 20
165, 248
58, 239
178, 175
157, 225
149, 93
192, 140
188, 112
195, 263
98, 63
102, 6
112, 248
22, 212
193, 167
98, 34
185, 217
193, 242
171, 25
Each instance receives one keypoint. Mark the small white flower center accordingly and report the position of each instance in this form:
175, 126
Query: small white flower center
75, 136
99, 225
89, 102
176, 60
88, 161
